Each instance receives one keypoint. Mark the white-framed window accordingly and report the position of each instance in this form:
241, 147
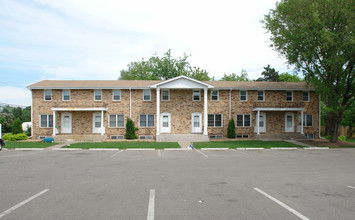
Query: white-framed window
146, 137
98, 95
243, 95
116, 95
196, 95
146, 95
115, 137
307, 120
261, 96
215, 120
214, 95
47, 95
289, 96
116, 121
165, 95
243, 120
242, 135
46, 121
305, 96
66, 95
216, 136
146, 121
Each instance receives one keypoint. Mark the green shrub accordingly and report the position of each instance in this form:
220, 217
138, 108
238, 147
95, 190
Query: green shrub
342, 138
15, 137
327, 137
231, 129
28, 131
130, 129
17, 127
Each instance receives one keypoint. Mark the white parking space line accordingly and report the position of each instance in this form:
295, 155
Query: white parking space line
113, 155
202, 153
351, 187
22, 203
283, 205
150, 215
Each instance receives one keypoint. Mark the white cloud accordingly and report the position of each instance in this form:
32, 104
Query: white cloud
15, 95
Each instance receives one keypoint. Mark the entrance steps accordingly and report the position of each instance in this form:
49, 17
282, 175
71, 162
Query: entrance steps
61, 138
280, 136
182, 138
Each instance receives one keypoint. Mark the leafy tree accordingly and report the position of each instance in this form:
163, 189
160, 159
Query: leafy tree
162, 68
349, 119
286, 77
270, 74
231, 129
317, 37
6, 121
17, 126
234, 77
26, 114
130, 129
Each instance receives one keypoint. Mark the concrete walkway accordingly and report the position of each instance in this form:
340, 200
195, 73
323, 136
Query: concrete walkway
299, 143
184, 144
62, 144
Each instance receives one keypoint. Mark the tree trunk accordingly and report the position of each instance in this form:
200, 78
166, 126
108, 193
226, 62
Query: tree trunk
334, 120
328, 124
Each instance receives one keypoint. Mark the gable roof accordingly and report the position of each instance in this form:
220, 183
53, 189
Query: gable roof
182, 79
147, 84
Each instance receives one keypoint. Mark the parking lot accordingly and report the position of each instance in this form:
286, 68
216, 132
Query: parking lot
161, 184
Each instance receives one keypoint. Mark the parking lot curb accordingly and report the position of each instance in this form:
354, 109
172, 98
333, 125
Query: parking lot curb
251, 148
316, 148
140, 149
68, 149
104, 149
177, 149
222, 148
284, 148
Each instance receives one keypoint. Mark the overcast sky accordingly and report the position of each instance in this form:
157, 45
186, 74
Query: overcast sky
95, 39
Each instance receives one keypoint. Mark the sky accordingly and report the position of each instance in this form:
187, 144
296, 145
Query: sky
95, 39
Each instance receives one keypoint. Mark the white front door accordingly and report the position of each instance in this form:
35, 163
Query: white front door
165, 123
66, 123
289, 122
262, 123
196, 121
96, 123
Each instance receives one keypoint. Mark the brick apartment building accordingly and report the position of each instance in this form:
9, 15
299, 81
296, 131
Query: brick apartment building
186, 108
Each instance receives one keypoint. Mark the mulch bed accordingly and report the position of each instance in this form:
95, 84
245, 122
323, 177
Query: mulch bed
327, 143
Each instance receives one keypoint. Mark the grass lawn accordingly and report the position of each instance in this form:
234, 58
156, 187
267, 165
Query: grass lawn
243, 144
125, 145
15, 144
351, 140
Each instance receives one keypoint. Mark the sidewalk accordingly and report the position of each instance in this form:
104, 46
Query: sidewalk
299, 143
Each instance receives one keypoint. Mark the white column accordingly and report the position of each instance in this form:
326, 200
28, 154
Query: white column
205, 110
158, 111
257, 122
301, 122
53, 123
102, 123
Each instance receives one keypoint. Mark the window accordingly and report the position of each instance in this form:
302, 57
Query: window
305, 96
146, 121
309, 136
307, 120
66, 95
116, 95
46, 121
146, 137
165, 95
116, 121
289, 96
242, 136
146, 95
243, 120
214, 95
214, 120
98, 95
115, 137
48, 95
196, 95
243, 96
261, 96
216, 136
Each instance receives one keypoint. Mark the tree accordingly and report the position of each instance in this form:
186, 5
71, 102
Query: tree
286, 77
6, 121
349, 119
231, 129
162, 68
234, 77
17, 127
26, 114
317, 37
130, 129
270, 74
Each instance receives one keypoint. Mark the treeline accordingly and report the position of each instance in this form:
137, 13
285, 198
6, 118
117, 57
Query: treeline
9, 114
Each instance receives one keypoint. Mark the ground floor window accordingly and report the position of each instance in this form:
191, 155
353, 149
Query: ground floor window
146, 121
46, 121
307, 120
243, 120
215, 120
116, 121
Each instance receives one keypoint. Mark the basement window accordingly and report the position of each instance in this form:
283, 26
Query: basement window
242, 136
216, 136
116, 137
146, 137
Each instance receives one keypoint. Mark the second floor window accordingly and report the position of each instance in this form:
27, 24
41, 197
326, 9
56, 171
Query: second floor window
305, 96
48, 95
196, 95
243, 96
261, 96
98, 95
116, 96
66, 95
214, 95
165, 95
289, 96
146, 95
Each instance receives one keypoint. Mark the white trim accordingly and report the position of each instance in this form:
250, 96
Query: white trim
168, 129
292, 129
205, 112
97, 100
291, 96
63, 95
215, 90
199, 95
278, 109
150, 95
230, 104
113, 95
44, 94
94, 129
246, 95
32, 128
62, 122
214, 120
162, 90
193, 131
257, 96
108, 120
146, 121
80, 109
130, 103
158, 112
179, 77
40, 124
309, 96
236, 121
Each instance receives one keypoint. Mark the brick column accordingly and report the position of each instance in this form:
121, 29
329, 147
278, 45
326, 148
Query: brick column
205, 110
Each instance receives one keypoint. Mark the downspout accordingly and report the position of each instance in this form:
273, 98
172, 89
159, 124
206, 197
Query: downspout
130, 103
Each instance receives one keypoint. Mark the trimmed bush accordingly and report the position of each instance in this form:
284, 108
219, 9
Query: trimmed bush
28, 131
130, 129
17, 127
342, 138
231, 129
15, 137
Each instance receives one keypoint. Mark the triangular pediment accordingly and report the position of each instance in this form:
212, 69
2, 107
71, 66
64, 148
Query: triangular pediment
181, 82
